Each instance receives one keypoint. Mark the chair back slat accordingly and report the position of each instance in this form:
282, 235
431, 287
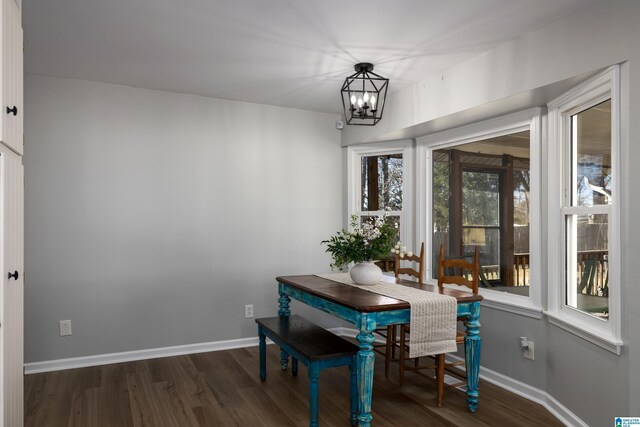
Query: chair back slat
458, 263
418, 259
408, 272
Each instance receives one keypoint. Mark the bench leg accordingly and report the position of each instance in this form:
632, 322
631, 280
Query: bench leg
284, 359
263, 353
294, 366
353, 392
314, 374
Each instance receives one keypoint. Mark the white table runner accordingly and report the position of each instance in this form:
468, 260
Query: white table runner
433, 316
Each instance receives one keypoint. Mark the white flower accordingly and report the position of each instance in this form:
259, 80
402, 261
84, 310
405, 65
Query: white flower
409, 253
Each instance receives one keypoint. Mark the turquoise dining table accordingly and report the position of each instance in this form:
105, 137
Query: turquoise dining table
369, 311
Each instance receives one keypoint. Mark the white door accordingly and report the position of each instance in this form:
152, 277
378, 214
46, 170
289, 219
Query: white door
11, 288
12, 77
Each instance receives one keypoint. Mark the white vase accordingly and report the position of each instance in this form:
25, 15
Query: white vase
366, 273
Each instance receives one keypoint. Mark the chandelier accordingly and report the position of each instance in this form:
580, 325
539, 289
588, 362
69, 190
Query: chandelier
363, 96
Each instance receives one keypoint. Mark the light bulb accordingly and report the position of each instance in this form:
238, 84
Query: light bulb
366, 96
353, 99
360, 102
373, 101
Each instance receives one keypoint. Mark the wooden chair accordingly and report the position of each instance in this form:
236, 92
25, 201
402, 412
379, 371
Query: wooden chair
450, 271
390, 333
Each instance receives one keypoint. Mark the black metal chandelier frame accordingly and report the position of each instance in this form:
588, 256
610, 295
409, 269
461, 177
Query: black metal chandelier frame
364, 94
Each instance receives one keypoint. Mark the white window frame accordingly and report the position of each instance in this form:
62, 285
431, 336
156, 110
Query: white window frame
354, 202
527, 120
606, 334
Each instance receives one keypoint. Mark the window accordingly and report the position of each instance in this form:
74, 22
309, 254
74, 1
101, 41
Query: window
483, 191
481, 198
586, 210
583, 221
380, 178
381, 182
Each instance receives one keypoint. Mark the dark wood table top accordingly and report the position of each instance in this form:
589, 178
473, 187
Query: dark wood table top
365, 301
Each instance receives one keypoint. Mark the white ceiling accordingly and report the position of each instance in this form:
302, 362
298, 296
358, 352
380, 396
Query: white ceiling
292, 53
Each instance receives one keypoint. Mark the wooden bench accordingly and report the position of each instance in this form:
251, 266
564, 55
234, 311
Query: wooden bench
316, 348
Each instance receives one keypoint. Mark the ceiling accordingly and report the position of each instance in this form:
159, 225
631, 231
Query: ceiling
290, 53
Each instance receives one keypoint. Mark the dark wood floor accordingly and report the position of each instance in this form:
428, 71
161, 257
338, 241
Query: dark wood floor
223, 389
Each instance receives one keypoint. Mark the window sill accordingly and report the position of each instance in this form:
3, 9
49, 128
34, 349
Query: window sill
516, 304
600, 337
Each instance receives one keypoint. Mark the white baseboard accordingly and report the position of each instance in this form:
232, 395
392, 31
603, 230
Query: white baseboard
533, 394
129, 356
154, 353
563, 414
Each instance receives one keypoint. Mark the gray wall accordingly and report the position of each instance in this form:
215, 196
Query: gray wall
594, 384
152, 218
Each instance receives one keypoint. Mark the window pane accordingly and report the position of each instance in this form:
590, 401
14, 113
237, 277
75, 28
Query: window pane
587, 261
591, 140
481, 196
381, 178
481, 218
440, 194
521, 219
395, 220
488, 241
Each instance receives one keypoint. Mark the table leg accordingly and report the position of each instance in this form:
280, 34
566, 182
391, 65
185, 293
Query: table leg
366, 324
472, 346
284, 311
263, 353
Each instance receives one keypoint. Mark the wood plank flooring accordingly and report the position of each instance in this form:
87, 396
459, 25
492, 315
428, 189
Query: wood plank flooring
223, 389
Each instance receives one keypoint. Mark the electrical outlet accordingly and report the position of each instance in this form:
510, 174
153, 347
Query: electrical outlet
528, 352
248, 311
65, 328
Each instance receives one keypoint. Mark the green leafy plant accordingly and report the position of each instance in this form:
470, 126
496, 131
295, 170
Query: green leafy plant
372, 240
